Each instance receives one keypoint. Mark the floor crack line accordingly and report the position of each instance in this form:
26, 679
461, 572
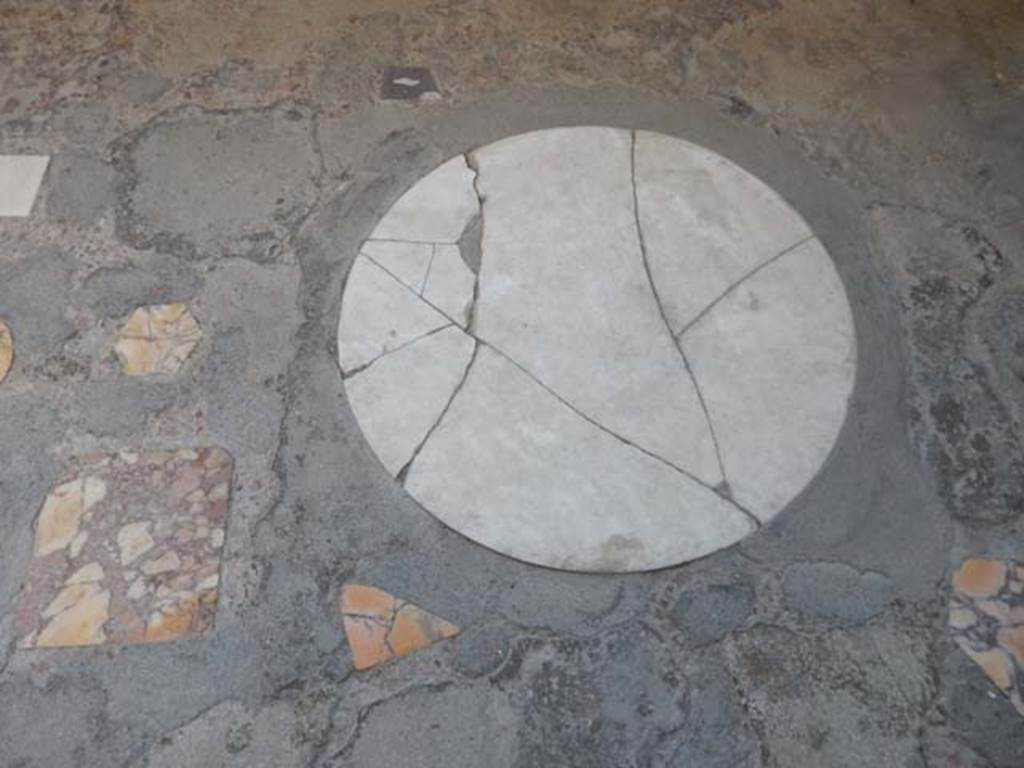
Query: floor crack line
430, 266
668, 327
480, 341
403, 473
624, 440
733, 286
360, 368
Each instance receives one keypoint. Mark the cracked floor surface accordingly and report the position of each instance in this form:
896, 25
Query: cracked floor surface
233, 158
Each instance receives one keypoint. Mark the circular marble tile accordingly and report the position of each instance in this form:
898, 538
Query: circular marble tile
597, 349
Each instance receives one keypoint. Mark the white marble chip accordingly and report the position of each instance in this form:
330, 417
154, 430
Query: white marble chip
436, 209
20, 178
655, 358
379, 315
400, 397
515, 470
450, 284
776, 360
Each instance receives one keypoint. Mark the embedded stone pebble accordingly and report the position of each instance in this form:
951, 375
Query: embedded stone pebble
127, 550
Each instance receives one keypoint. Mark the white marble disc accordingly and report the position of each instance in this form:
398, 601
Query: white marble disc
650, 355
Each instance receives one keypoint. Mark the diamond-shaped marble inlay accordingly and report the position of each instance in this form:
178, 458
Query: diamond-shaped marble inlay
127, 549
381, 627
157, 339
986, 617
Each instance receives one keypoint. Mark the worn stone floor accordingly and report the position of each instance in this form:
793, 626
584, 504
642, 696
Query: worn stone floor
204, 562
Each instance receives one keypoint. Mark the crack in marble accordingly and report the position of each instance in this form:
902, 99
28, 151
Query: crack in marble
345, 375
723, 489
736, 284
471, 242
410, 242
474, 165
625, 441
381, 627
403, 473
430, 264
471, 322
425, 300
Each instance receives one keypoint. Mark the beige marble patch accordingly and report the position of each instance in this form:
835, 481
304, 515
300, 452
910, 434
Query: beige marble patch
90, 572
118, 557
62, 513
986, 619
80, 622
157, 339
133, 540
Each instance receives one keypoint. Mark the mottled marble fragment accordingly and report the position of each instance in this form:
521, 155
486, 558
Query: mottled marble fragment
127, 549
986, 619
157, 339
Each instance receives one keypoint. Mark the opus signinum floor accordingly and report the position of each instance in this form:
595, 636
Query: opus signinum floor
519, 384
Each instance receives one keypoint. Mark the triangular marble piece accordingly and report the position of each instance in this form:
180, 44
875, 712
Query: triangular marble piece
381, 627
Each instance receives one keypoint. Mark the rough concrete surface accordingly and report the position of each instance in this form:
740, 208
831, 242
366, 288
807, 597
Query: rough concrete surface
233, 156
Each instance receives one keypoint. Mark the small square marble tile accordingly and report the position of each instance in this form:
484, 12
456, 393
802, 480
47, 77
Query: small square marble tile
407, 83
127, 550
20, 177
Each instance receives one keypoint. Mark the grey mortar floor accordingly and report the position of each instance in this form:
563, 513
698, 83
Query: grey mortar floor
234, 155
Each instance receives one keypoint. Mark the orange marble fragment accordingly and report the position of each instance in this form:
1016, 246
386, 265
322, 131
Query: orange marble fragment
174, 621
986, 619
381, 627
980, 578
367, 601
368, 640
995, 663
1012, 640
6, 350
414, 628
